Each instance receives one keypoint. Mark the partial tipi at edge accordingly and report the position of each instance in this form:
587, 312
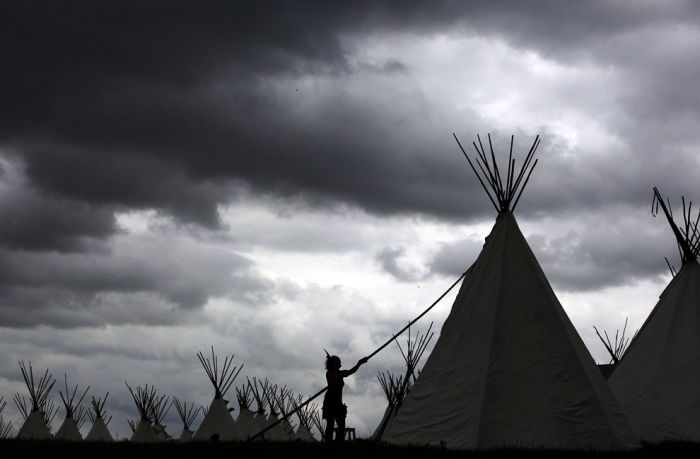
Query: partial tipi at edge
657, 381
509, 368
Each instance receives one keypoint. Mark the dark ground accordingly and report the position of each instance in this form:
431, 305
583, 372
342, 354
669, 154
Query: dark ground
357, 449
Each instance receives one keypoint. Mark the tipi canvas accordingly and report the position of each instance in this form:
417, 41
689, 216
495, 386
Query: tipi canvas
99, 430
246, 423
509, 368
218, 424
657, 381
37, 411
143, 398
75, 413
187, 415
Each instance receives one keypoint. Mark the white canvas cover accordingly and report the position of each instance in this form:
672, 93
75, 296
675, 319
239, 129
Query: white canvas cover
69, 431
99, 431
389, 413
303, 433
160, 433
144, 433
218, 421
277, 433
509, 368
261, 419
34, 428
246, 424
186, 435
657, 382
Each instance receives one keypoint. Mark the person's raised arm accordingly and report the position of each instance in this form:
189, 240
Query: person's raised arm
352, 370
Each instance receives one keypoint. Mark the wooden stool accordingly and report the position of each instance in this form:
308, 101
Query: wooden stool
349, 433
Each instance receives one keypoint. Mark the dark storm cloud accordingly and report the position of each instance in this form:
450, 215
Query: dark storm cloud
150, 107
36, 221
154, 282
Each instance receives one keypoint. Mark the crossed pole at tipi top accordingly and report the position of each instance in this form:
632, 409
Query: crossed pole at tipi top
377, 351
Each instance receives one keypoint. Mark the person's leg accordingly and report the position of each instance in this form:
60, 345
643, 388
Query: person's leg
340, 436
329, 430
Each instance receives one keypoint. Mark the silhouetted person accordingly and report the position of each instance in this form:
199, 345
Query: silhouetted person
334, 411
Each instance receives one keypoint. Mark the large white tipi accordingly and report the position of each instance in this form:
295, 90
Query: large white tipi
99, 430
38, 412
509, 368
657, 381
218, 424
75, 413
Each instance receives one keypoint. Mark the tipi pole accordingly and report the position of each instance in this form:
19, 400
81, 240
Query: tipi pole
317, 394
419, 317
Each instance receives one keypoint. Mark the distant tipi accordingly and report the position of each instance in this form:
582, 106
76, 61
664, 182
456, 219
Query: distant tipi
397, 387
218, 424
509, 368
246, 424
99, 430
144, 397
75, 413
5, 425
657, 382
38, 412
187, 414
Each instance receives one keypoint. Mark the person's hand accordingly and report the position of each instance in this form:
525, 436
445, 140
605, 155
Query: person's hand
363, 360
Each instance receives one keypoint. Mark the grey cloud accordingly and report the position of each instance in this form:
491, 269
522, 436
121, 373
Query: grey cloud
597, 256
389, 260
39, 222
155, 282
454, 258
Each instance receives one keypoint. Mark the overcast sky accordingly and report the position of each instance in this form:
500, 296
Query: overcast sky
274, 178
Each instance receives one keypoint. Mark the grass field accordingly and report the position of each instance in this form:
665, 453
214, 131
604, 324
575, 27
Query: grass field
281, 450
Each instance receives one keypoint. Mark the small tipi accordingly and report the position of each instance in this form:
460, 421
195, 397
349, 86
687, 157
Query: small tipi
317, 422
5, 426
509, 368
276, 433
616, 349
304, 414
38, 412
218, 424
657, 380
259, 394
246, 423
395, 387
159, 409
283, 399
188, 415
75, 413
99, 430
143, 431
